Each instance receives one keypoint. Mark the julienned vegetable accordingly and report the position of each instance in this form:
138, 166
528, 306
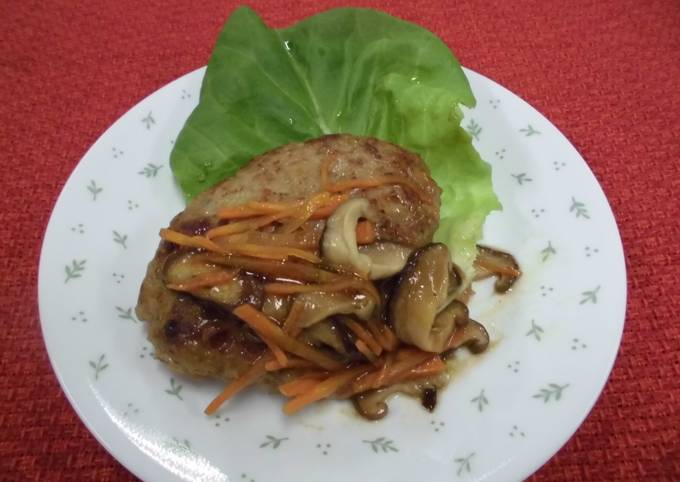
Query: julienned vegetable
352, 71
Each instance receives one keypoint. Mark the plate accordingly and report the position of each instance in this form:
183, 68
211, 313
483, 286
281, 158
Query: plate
504, 414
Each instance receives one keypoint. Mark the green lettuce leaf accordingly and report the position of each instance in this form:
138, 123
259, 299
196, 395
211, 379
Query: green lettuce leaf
347, 70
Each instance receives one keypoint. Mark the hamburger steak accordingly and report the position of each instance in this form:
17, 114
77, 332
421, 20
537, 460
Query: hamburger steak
197, 335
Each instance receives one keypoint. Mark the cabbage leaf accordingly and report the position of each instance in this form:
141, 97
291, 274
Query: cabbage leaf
346, 70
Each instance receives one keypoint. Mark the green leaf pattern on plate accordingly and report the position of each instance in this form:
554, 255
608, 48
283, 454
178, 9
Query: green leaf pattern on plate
273, 442
148, 121
464, 464
120, 239
474, 129
536, 331
548, 252
552, 391
126, 314
579, 209
150, 170
590, 296
381, 444
480, 401
94, 189
175, 389
529, 131
74, 270
99, 366
521, 178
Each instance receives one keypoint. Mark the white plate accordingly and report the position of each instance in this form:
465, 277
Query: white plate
505, 414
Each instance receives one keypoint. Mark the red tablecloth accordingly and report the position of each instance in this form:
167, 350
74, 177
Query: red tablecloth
607, 73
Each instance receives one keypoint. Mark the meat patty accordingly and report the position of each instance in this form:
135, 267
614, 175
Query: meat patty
201, 338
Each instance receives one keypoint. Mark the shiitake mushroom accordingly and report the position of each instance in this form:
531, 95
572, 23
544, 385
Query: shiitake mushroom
502, 265
420, 308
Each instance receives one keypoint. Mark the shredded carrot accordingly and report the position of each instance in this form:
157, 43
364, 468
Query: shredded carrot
301, 240
365, 350
386, 365
300, 385
407, 353
264, 326
375, 331
328, 209
390, 339
282, 268
278, 353
244, 226
371, 380
433, 366
272, 207
319, 206
271, 252
410, 367
291, 324
349, 184
204, 280
274, 365
190, 241
256, 208
313, 384
364, 335
243, 211
253, 374
427, 369
411, 361
254, 250
304, 212
324, 389
497, 268
341, 285
383, 334
366, 232
407, 358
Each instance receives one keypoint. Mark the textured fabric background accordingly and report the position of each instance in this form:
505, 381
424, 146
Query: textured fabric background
607, 73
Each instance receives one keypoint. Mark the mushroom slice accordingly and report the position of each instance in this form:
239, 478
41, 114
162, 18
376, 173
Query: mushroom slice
473, 335
184, 271
339, 244
386, 259
491, 262
372, 404
319, 306
276, 306
333, 335
457, 312
419, 308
